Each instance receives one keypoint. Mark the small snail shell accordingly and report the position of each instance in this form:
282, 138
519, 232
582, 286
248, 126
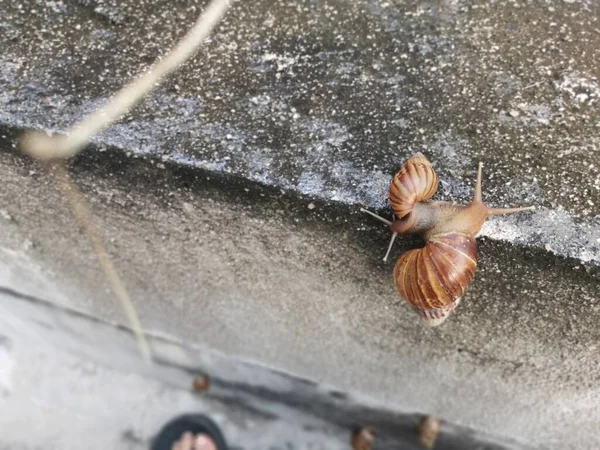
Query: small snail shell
429, 429
363, 438
201, 383
415, 182
434, 278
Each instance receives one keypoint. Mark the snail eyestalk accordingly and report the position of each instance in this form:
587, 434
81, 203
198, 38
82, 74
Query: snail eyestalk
381, 219
388, 223
394, 234
477, 198
500, 211
477, 194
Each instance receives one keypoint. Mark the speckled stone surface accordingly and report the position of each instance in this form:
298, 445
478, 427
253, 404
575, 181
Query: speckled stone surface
329, 98
266, 277
67, 385
229, 198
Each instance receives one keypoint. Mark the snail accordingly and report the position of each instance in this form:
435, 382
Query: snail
201, 383
429, 429
434, 278
363, 438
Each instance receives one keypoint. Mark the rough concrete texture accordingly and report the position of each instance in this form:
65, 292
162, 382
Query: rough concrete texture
53, 371
202, 192
328, 98
260, 276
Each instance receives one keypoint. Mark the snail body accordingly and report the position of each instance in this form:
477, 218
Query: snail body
433, 279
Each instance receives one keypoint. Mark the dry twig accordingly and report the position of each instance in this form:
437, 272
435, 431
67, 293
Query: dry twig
53, 149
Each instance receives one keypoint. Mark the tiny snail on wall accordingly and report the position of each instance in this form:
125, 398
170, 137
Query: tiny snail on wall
434, 278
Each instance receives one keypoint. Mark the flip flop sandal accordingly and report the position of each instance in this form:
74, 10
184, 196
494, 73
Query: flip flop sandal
195, 424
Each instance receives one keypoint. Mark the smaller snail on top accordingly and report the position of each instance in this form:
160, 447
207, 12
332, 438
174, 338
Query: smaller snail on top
434, 278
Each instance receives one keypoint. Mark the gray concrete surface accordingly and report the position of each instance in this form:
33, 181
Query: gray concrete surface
264, 278
53, 372
202, 192
327, 98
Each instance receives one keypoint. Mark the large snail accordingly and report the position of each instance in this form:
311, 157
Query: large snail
434, 278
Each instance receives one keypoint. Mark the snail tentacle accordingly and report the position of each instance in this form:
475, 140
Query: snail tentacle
378, 217
394, 234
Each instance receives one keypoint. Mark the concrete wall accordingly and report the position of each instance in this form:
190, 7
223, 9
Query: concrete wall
203, 193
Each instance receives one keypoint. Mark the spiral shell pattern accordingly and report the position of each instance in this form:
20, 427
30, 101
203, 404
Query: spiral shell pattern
436, 276
416, 181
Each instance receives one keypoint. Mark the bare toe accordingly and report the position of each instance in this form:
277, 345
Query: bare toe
186, 442
203, 442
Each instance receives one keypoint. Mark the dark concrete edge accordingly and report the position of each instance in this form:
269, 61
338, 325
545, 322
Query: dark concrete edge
114, 163
107, 161
395, 430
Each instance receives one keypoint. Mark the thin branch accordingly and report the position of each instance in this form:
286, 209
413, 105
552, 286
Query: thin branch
54, 148
44, 147
84, 217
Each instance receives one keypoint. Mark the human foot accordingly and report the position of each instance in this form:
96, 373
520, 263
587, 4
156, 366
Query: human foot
190, 432
189, 441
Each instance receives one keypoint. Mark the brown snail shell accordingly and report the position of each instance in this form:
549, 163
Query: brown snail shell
363, 438
201, 383
434, 278
429, 430
415, 182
